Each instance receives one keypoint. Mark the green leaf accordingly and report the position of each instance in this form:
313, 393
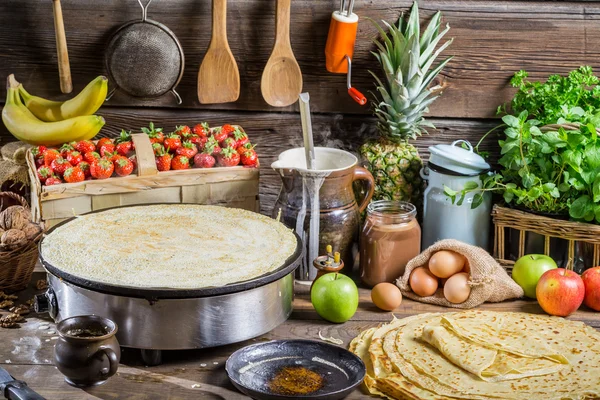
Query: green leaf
511, 132
528, 180
477, 200
511, 185
508, 146
573, 158
470, 185
597, 212
461, 200
508, 196
592, 155
579, 207
564, 187
511, 121
449, 192
592, 129
596, 189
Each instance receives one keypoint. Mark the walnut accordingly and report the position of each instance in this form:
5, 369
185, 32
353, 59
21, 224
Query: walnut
32, 230
13, 238
11, 321
14, 217
20, 309
41, 284
4, 296
6, 304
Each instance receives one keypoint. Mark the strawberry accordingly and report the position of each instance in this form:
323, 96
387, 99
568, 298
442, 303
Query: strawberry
212, 147
198, 140
39, 162
38, 154
85, 146
249, 158
66, 149
157, 147
90, 156
103, 141
228, 142
155, 134
102, 168
113, 157
220, 134
105, 149
187, 149
180, 162
123, 166
50, 155
172, 142
203, 160
85, 167
44, 173
228, 157
74, 157
163, 161
60, 165
73, 175
240, 137
123, 143
183, 130
227, 129
202, 130
133, 160
53, 181
243, 148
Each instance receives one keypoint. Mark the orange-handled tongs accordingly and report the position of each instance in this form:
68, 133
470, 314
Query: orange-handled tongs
340, 46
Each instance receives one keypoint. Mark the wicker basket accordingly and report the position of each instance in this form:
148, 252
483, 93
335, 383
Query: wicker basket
524, 222
16, 266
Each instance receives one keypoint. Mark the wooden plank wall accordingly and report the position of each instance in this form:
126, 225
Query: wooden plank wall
493, 39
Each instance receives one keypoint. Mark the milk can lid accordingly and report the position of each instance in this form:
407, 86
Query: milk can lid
457, 159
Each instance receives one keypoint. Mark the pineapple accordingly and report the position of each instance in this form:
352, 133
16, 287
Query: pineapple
401, 99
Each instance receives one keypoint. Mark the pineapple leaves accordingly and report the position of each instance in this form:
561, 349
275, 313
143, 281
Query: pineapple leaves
431, 32
412, 27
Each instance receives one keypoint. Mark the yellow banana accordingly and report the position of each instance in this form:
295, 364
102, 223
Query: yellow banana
87, 102
27, 128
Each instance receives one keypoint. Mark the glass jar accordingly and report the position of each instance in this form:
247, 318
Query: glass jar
390, 238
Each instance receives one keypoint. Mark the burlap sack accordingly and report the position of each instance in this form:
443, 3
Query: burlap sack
489, 281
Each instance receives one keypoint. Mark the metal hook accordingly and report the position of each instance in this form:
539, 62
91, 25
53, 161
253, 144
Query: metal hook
349, 75
144, 9
177, 97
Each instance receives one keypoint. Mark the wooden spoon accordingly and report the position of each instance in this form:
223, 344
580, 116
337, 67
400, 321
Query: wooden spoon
219, 77
64, 67
281, 82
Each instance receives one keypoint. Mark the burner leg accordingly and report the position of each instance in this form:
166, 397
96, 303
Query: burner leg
151, 357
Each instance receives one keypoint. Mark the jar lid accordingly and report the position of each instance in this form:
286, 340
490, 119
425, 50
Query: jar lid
457, 159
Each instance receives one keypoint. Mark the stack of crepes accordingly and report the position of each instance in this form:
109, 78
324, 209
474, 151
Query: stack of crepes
481, 355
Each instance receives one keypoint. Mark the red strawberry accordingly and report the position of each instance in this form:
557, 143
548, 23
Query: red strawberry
249, 158
220, 134
240, 137
38, 154
198, 140
212, 147
133, 160
157, 147
50, 155
163, 161
74, 157
90, 156
172, 142
85, 146
66, 149
113, 157
228, 157
73, 175
227, 129
180, 162
187, 149
44, 173
53, 181
102, 168
243, 148
203, 160
183, 131
60, 165
202, 130
103, 141
39, 162
228, 142
85, 167
105, 149
155, 134
123, 166
123, 143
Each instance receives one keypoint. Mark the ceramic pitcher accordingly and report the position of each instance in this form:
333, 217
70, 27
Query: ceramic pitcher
320, 204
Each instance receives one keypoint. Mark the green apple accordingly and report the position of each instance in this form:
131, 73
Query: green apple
528, 270
335, 297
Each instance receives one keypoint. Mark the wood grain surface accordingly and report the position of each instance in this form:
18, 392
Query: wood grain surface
493, 39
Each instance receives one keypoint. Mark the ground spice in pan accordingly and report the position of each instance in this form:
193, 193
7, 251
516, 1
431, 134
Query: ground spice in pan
295, 381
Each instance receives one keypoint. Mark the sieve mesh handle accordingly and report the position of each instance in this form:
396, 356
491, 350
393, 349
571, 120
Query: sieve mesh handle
144, 9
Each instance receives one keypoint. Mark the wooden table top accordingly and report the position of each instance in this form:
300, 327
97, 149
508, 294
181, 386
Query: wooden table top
27, 353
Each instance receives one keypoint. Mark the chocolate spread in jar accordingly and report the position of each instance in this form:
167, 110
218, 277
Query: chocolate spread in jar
390, 238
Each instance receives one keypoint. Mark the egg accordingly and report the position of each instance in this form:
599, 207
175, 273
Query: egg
446, 263
457, 289
423, 282
386, 296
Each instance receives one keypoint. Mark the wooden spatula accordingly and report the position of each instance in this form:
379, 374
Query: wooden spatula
281, 82
64, 67
219, 77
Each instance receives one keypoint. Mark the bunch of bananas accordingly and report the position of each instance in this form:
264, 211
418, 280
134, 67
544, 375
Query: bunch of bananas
38, 121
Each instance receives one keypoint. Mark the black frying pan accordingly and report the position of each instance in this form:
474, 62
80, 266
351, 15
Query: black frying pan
253, 368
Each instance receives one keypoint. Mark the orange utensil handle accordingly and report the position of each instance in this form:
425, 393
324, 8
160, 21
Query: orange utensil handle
357, 96
340, 42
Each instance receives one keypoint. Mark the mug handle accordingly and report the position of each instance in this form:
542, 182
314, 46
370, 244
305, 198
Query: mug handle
362, 174
113, 362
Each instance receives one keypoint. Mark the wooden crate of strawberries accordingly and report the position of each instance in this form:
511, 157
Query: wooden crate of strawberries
201, 165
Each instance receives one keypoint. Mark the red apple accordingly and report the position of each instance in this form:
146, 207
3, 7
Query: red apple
560, 292
591, 281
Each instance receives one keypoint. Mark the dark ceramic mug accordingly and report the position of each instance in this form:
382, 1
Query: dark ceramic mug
87, 352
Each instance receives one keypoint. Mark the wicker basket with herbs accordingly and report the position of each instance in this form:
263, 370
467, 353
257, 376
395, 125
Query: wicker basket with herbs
19, 238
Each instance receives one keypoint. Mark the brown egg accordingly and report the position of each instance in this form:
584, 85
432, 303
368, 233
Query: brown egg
446, 263
386, 296
423, 282
456, 289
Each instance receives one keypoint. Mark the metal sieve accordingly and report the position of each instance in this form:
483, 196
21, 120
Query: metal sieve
144, 58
